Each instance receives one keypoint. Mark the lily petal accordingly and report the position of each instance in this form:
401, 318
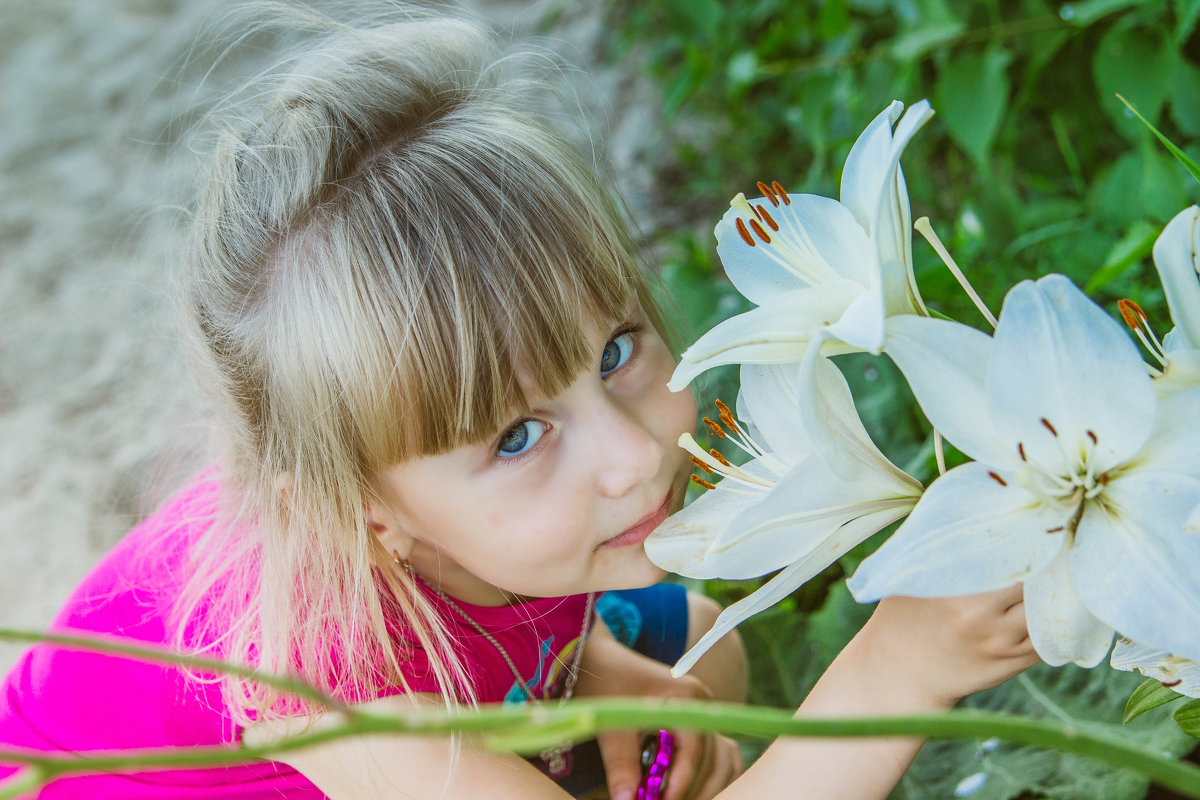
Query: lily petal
1062, 628
778, 331
679, 544
763, 598
945, 364
1137, 567
968, 534
1179, 674
768, 400
1182, 373
1175, 443
806, 507
825, 410
1064, 379
862, 323
891, 221
867, 163
1177, 257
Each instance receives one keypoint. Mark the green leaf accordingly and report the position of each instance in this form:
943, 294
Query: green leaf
1188, 717
1137, 63
1151, 694
1089, 698
914, 44
1185, 99
702, 17
1183, 157
1085, 13
1187, 12
1131, 248
833, 20
972, 95
1114, 198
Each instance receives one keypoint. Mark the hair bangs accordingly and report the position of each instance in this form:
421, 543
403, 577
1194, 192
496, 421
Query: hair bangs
502, 299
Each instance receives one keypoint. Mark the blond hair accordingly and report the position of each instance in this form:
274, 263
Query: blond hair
376, 250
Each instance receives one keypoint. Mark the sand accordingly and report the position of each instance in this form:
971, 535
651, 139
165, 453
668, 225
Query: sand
96, 415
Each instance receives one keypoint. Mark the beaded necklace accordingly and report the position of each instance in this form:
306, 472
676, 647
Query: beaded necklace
558, 757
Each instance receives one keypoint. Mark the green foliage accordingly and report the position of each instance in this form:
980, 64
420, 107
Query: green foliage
1032, 165
1188, 717
1149, 694
1090, 699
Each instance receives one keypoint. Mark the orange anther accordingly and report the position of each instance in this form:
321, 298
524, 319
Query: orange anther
767, 218
997, 479
1092, 435
768, 193
762, 234
1132, 313
697, 479
715, 453
782, 194
1021, 450
700, 464
1049, 427
714, 427
745, 234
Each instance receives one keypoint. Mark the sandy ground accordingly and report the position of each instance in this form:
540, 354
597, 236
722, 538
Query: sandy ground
95, 411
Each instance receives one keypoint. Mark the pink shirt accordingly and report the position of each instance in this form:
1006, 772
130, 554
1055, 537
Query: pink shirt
58, 699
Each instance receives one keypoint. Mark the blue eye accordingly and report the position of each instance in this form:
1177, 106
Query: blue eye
520, 438
616, 353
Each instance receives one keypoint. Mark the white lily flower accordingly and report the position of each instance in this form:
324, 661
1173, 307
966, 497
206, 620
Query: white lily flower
1177, 258
1178, 674
816, 487
1082, 482
812, 264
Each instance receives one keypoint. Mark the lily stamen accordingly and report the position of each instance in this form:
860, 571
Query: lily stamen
1136, 319
725, 470
925, 229
715, 453
791, 247
768, 193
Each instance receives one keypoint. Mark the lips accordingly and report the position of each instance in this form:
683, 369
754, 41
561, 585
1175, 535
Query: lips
643, 528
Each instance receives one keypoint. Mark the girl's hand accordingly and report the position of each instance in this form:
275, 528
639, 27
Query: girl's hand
702, 763
951, 647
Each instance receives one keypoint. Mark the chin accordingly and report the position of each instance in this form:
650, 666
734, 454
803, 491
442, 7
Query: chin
647, 574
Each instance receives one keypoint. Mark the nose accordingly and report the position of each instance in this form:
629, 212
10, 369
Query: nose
629, 454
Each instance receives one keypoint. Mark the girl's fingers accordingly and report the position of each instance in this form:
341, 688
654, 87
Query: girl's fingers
727, 766
1012, 597
622, 756
690, 764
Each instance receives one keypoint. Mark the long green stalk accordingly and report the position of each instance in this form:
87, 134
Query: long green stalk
529, 729
158, 655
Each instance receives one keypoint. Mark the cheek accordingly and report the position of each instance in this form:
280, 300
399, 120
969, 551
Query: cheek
677, 414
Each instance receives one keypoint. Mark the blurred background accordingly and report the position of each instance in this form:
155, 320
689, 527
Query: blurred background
1032, 165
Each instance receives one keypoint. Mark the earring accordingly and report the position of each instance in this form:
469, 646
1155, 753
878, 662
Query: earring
401, 563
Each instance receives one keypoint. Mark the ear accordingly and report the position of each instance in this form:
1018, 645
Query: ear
385, 524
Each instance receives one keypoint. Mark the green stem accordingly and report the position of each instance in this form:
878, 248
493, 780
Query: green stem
158, 655
530, 728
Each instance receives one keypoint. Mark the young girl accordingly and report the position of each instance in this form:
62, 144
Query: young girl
442, 388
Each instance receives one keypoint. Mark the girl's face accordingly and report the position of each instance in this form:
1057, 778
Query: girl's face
560, 501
